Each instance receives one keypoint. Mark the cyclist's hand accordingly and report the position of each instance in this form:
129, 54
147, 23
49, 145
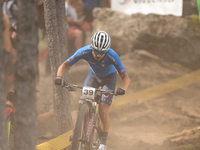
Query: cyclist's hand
58, 81
120, 91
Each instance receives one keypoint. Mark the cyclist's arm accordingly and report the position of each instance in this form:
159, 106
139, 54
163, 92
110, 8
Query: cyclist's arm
61, 70
125, 81
121, 70
45, 116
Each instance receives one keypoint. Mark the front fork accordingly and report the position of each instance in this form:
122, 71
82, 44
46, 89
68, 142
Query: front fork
79, 107
90, 122
90, 125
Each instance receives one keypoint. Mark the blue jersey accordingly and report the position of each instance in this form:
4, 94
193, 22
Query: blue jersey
102, 68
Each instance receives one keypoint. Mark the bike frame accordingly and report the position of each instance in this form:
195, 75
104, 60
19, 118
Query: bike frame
92, 107
90, 97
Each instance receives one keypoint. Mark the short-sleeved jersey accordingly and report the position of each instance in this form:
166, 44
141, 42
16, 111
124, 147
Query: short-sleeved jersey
102, 68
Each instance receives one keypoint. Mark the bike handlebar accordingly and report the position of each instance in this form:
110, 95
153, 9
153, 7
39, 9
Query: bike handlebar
68, 86
73, 87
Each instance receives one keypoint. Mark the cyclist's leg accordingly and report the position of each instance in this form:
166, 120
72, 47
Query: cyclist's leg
104, 122
104, 106
91, 80
109, 83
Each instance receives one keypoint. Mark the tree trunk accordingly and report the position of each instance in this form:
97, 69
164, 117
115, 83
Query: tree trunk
56, 35
3, 127
25, 76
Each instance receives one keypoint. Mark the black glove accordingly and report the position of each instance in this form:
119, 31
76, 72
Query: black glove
58, 81
120, 91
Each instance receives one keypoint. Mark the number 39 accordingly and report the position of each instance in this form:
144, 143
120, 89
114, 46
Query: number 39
88, 92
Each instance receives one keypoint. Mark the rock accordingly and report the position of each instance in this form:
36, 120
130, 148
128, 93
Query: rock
169, 37
190, 7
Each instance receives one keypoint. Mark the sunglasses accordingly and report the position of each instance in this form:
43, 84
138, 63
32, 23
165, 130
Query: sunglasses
99, 52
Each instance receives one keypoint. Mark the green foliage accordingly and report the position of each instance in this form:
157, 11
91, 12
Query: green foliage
194, 23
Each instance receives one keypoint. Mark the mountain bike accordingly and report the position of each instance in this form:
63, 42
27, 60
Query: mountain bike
86, 131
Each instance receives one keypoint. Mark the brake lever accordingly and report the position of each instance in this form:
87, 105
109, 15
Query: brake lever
106, 94
71, 88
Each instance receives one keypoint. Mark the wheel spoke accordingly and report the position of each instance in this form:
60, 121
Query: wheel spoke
94, 139
80, 131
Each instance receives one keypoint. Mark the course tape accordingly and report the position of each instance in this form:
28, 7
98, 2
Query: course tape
57, 143
158, 90
147, 94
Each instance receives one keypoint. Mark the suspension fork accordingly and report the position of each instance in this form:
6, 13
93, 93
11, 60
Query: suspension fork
79, 107
90, 122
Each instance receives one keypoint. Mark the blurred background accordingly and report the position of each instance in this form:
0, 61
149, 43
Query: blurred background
159, 44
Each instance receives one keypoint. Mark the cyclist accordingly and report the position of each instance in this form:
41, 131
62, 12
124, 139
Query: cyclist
104, 64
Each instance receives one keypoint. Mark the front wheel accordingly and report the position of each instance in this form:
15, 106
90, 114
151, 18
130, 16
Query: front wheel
79, 142
94, 137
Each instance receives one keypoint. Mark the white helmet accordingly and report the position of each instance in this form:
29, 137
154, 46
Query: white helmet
100, 41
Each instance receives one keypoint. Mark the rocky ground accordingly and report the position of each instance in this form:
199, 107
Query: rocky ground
167, 122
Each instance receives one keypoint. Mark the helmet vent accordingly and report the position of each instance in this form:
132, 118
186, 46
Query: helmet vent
101, 41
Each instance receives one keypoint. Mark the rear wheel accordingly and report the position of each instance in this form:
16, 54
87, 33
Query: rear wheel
79, 142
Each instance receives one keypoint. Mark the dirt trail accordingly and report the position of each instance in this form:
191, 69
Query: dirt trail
168, 122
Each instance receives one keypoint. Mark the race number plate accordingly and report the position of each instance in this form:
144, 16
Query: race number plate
88, 93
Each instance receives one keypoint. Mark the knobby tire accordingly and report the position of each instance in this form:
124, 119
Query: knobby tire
94, 136
83, 118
